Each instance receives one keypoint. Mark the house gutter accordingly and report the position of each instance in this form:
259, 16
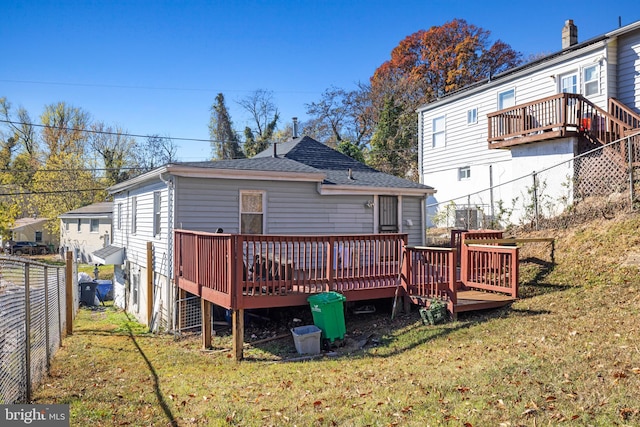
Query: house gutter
330, 190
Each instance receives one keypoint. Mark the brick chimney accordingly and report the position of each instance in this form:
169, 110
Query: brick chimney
569, 34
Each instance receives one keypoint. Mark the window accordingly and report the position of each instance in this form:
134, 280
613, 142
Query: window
134, 212
66, 225
472, 116
156, 213
79, 229
119, 216
251, 212
506, 99
93, 228
464, 173
438, 134
591, 81
38, 236
569, 83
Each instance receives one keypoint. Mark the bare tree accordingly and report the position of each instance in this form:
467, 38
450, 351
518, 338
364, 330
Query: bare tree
116, 151
155, 151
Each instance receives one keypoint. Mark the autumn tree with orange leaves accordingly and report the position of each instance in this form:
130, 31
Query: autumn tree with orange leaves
427, 65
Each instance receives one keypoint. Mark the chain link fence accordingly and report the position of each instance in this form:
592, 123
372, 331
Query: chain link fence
600, 182
32, 324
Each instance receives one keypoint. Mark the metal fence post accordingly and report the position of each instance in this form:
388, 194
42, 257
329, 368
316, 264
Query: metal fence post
46, 317
27, 329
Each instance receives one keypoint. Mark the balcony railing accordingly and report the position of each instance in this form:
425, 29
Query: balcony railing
557, 116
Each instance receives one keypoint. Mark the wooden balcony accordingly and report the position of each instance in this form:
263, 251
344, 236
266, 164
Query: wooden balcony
557, 116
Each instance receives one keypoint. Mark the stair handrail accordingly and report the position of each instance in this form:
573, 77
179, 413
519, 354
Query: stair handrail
628, 116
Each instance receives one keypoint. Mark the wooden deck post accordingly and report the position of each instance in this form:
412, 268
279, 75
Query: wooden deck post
237, 325
205, 308
68, 294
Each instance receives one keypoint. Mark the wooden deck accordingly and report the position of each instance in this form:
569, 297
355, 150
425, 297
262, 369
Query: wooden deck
241, 272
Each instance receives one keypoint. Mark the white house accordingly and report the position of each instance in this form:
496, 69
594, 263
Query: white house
85, 230
297, 187
477, 142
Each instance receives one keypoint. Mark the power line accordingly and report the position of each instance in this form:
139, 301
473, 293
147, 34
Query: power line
31, 193
149, 87
102, 132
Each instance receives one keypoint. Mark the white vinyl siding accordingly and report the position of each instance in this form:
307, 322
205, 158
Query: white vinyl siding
119, 216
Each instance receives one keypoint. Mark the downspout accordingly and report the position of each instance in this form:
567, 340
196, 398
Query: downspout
423, 221
169, 273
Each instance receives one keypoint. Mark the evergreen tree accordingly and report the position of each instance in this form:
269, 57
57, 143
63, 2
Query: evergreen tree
225, 143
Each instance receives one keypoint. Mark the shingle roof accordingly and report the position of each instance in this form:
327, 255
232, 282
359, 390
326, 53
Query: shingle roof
101, 208
336, 165
262, 163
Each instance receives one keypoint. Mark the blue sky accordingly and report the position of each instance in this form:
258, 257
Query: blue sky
155, 67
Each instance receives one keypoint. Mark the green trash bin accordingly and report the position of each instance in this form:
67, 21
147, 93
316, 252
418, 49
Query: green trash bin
328, 314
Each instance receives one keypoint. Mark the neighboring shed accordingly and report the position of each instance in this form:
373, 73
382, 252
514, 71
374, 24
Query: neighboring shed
86, 229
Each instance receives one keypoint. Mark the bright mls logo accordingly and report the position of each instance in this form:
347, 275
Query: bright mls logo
34, 415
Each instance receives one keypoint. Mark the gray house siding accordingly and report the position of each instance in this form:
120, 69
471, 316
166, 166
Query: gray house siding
412, 220
628, 76
291, 207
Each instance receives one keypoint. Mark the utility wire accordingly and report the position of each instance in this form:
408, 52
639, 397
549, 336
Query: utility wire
37, 193
102, 132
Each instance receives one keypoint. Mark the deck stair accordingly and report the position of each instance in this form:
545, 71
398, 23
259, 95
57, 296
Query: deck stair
476, 273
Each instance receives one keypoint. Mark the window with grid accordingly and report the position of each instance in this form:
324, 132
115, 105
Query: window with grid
591, 81
156, 213
438, 132
464, 173
251, 212
93, 227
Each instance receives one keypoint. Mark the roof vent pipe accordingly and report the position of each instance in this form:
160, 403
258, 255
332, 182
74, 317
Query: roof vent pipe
350, 174
569, 34
275, 150
295, 127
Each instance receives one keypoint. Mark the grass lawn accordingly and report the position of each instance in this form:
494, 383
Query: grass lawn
566, 353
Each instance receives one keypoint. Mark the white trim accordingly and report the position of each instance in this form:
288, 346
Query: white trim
332, 190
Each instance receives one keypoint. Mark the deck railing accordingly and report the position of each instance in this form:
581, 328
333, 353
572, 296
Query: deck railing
253, 271
553, 116
431, 273
491, 268
235, 270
